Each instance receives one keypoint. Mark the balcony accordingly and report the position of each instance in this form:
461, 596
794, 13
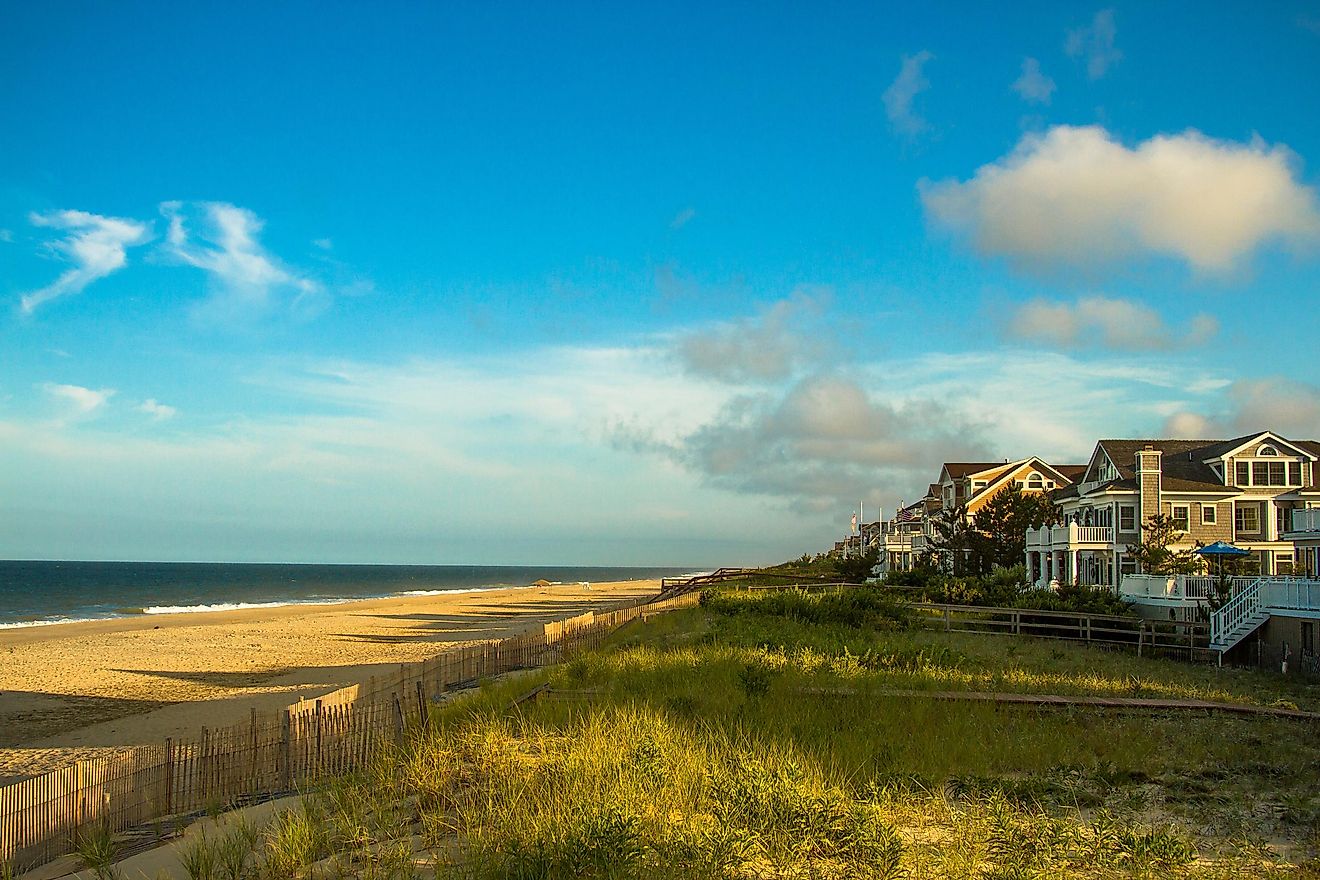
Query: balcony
1177, 588
1070, 537
1306, 522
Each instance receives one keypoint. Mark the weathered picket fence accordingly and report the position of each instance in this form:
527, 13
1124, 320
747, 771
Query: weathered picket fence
42, 817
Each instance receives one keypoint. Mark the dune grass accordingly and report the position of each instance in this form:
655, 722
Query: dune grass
750, 740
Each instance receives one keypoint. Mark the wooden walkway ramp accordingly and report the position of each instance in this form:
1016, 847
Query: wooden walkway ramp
1064, 700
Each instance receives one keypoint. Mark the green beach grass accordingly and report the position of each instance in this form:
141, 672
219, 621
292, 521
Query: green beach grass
752, 737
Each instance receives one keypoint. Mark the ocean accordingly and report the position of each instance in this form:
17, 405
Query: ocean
36, 593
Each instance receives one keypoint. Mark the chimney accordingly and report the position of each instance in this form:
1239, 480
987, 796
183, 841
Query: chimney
1148, 484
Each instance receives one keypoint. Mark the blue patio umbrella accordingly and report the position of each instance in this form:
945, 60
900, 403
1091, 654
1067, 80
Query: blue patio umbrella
1221, 549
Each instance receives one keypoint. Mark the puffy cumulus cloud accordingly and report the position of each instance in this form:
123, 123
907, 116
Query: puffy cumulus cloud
223, 241
1095, 43
902, 92
79, 400
95, 245
1033, 86
771, 346
1272, 403
1101, 322
822, 441
1075, 197
158, 411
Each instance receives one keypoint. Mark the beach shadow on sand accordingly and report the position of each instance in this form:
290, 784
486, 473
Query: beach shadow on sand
27, 715
247, 678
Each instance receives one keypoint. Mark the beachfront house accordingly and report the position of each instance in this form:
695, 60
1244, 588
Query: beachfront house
1252, 492
965, 486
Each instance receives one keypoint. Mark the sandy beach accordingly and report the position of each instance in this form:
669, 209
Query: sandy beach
72, 690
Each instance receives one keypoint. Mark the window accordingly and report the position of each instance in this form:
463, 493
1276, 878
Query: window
1243, 473
1209, 515
1036, 481
1127, 565
1308, 637
1127, 518
1283, 564
1182, 519
1280, 520
1294, 473
977, 486
1268, 473
1266, 451
1246, 518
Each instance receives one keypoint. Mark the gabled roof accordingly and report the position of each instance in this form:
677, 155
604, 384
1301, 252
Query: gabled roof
959, 469
1073, 472
1227, 447
1181, 461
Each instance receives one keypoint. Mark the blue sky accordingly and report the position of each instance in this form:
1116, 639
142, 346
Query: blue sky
577, 283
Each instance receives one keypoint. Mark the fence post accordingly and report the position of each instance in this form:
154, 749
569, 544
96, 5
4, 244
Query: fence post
1088, 628
421, 704
398, 718
946, 618
286, 770
1141, 630
318, 738
253, 777
169, 775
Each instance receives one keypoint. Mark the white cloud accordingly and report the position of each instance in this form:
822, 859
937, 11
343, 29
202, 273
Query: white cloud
324, 244
682, 218
6, 235
774, 345
1102, 322
898, 98
1271, 403
81, 401
158, 411
96, 245
1076, 197
226, 246
1095, 44
1033, 86
825, 441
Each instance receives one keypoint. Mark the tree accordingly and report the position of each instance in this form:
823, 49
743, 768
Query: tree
856, 569
955, 545
1153, 549
1003, 522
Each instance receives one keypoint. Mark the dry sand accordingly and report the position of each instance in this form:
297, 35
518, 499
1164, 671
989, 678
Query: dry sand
78, 689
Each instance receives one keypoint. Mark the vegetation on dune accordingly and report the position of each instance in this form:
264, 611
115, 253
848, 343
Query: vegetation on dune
1004, 588
760, 736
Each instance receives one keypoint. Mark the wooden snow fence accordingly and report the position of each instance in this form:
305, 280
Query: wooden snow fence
42, 817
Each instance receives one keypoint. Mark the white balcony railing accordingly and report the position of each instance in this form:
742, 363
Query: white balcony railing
1189, 587
1069, 536
1290, 594
1306, 520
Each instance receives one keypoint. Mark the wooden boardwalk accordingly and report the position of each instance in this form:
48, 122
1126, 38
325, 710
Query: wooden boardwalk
1066, 700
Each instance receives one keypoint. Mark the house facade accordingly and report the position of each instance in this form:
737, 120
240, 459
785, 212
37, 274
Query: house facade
1241, 491
965, 486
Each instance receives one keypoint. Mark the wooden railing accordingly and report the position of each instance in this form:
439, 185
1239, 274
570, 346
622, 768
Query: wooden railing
42, 817
1181, 639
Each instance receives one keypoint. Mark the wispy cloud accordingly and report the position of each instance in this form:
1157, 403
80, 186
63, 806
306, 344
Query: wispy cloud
158, 411
1075, 197
1095, 43
682, 218
1103, 323
95, 245
770, 346
6, 236
1309, 22
78, 400
223, 241
902, 92
1033, 86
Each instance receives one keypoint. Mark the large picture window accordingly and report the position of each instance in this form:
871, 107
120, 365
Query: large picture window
1268, 473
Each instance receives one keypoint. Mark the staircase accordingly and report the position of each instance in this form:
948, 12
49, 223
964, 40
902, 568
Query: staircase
1239, 618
